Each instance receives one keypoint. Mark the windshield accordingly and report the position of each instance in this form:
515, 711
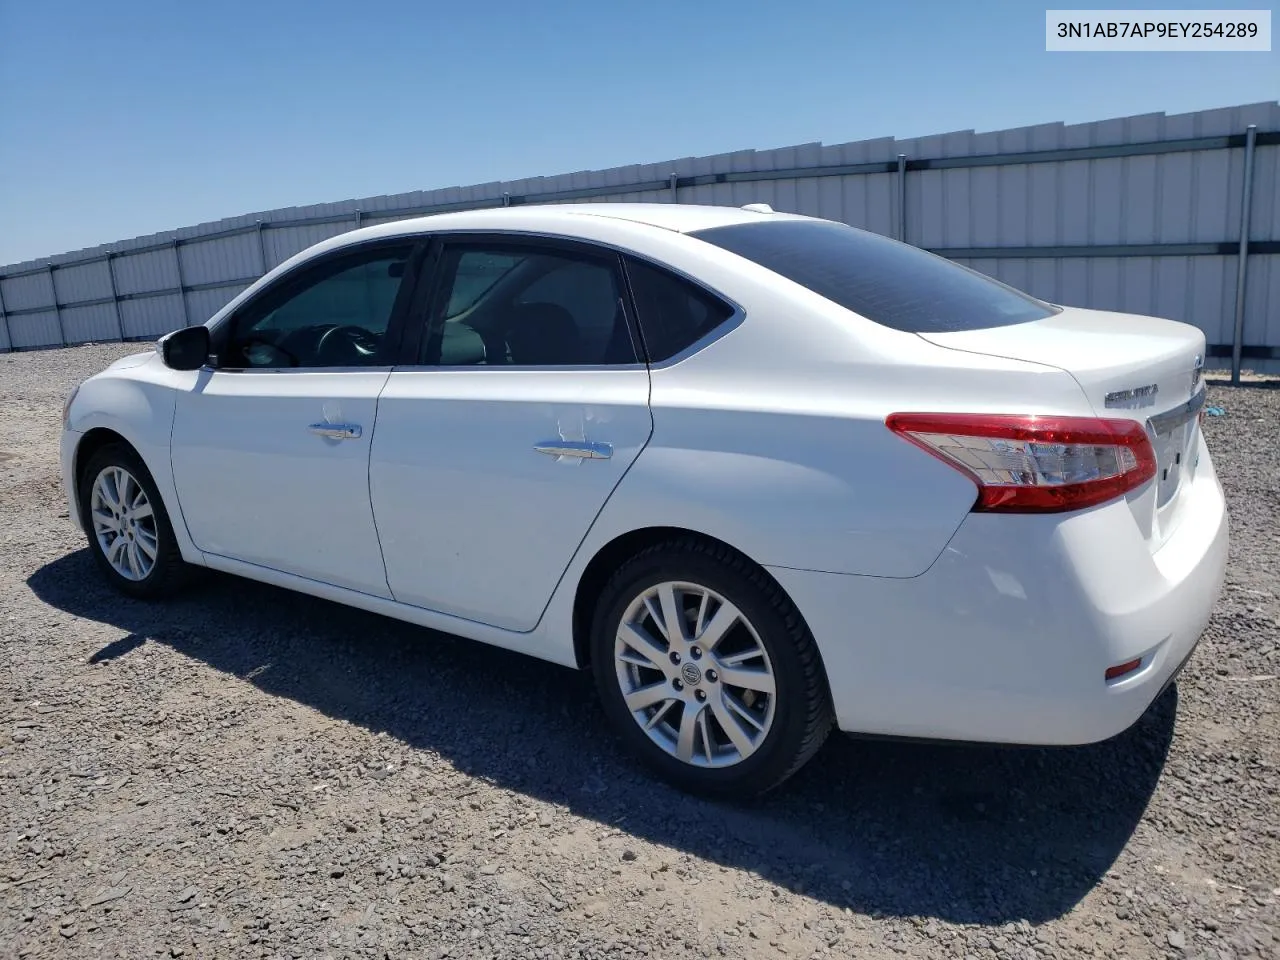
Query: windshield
894, 284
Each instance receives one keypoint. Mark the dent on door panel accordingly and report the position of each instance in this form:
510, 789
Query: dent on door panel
474, 521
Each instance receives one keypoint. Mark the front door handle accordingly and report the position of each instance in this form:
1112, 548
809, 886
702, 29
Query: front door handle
582, 449
336, 431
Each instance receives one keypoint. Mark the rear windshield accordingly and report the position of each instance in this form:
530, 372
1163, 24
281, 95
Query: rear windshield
892, 283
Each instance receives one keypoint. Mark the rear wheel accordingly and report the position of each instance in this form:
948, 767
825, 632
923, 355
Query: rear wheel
707, 670
127, 526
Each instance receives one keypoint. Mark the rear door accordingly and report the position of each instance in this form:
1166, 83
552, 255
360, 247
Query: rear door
520, 409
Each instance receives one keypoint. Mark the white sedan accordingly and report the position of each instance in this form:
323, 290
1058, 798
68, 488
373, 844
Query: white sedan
762, 474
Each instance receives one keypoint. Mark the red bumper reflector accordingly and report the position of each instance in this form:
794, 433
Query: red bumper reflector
1120, 669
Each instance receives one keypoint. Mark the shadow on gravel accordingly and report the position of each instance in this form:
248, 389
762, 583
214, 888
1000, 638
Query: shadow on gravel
118, 648
968, 834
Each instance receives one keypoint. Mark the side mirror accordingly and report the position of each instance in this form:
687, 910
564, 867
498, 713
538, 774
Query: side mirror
185, 349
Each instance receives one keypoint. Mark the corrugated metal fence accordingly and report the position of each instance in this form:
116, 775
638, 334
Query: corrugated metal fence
1177, 216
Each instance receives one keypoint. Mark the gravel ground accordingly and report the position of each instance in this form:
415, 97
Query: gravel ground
245, 772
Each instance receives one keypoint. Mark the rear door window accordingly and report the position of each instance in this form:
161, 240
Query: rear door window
892, 283
528, 305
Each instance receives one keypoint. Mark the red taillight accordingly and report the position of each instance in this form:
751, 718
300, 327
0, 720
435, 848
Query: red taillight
1029, 464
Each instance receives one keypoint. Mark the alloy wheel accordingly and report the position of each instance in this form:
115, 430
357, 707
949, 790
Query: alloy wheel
694, 674
124, 523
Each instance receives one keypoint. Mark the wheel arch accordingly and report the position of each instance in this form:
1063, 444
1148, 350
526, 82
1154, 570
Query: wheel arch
616, 552
101, 431
90, 443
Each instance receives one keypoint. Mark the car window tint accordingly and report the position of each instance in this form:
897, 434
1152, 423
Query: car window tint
528, 307
894, 284
591, 297
477, 272
337, 316
673, 313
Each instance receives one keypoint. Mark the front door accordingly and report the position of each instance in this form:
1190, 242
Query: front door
271, 448
495, 453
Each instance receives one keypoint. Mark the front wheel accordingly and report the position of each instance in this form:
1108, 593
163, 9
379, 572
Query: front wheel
707, 670
128, 528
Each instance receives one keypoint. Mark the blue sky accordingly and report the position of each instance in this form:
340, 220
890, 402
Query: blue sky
119, 119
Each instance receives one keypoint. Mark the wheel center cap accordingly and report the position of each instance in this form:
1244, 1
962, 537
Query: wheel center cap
690, 674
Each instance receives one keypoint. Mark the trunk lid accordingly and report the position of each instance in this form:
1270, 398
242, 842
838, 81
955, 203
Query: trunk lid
1130, 367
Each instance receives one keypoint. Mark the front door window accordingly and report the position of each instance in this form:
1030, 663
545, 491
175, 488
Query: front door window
335, 315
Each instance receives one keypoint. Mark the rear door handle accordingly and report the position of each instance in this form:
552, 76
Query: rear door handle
336, 431
582, 449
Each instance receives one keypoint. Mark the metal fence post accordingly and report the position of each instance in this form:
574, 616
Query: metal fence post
4, 319
1242, 269
262, 250
115, 294
182, 285
902, 197
57, 310
675, 188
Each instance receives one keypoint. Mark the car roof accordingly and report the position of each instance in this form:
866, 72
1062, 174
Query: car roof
567, 218
570, 220
679, 217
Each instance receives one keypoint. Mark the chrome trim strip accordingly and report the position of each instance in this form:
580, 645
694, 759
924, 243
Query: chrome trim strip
1172, 419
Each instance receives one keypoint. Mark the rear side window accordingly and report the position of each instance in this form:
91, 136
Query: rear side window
673, 313
894, 284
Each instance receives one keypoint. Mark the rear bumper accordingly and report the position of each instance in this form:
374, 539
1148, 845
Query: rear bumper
1007, 637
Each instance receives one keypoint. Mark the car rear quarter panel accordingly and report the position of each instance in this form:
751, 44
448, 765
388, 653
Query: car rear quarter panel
771, 437
815, 492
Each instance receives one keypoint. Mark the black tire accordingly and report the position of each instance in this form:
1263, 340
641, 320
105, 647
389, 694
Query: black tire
169, 572
802, 715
